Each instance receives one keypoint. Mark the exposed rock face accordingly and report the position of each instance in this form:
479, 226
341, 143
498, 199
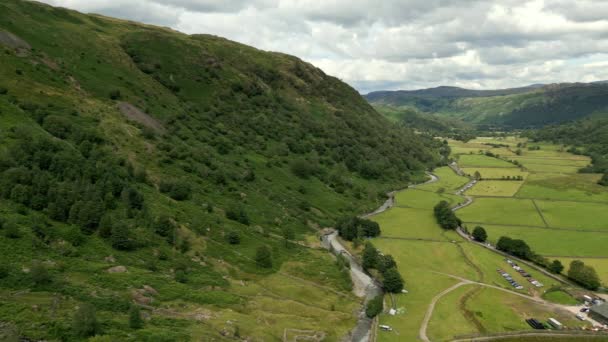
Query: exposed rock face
137, 115
117, 269
12, 41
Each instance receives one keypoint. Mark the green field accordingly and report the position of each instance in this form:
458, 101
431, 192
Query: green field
573, 187
560, 297
495, 188
508, 211
552, 242
551, 168
578, 215
423, 199
409, 223
553, 161
477, 160
495, 172
449, 181
600, 265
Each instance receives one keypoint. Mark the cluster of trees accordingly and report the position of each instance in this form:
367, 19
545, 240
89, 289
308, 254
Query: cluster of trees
446, 218
583, 274
386, 265
516, 247
352, 228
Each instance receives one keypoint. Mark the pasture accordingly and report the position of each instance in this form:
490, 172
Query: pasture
573, 187
478, 160
495, 172
576, 215
552, 242
495, 188
448, 180
422, 199
409, 223
507, 211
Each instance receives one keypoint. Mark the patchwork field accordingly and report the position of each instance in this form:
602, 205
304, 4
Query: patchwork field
428, 256
414, 198
478, 160
584, 216
556, 210
507, 211
547, 241
495, 172
495, 188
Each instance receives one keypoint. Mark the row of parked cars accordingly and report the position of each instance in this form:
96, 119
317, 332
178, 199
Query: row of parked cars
525, 274
510, 279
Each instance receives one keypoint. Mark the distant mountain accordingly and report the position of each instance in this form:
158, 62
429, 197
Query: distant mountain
532, 106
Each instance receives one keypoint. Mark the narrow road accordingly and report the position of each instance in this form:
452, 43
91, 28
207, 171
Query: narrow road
390, 201
429, 311
363, 286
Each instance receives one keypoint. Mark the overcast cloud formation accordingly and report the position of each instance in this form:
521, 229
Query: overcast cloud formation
402, 44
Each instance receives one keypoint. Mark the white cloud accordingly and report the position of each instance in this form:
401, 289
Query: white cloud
401, 43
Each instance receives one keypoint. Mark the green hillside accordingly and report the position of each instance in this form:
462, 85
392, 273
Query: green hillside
178, 179
511, 108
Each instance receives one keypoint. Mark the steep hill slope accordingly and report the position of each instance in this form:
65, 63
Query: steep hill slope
511, 108
144, 168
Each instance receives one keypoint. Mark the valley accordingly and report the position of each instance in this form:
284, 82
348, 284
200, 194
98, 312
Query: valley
459, 277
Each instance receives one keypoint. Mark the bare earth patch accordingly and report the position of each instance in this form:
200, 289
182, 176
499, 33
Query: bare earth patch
137, 115
12, 41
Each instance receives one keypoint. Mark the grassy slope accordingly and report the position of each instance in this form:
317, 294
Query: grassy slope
227, 112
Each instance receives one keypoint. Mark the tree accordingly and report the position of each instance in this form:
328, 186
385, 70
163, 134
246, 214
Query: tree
238, 214
40, 275
556, 267
84, 323
479, 234
233, 238
584, 275
518, 248
604, 180
370, 256
121, 237
374, 306
11, 230
263, 257
477, 175
445, 216
385, 262
135, 321
393, 282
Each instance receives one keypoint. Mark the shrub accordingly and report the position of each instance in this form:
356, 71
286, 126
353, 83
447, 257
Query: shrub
233, 238
263, 257
374, 306
40, 275
238, 214
84, 323
178, 190
3, 91
135, 321
11, 230
115, 95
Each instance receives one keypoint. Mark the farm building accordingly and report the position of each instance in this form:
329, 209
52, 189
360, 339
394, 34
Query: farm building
599, 313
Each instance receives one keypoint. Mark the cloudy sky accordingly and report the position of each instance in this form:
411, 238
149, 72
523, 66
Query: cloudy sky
402, 44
